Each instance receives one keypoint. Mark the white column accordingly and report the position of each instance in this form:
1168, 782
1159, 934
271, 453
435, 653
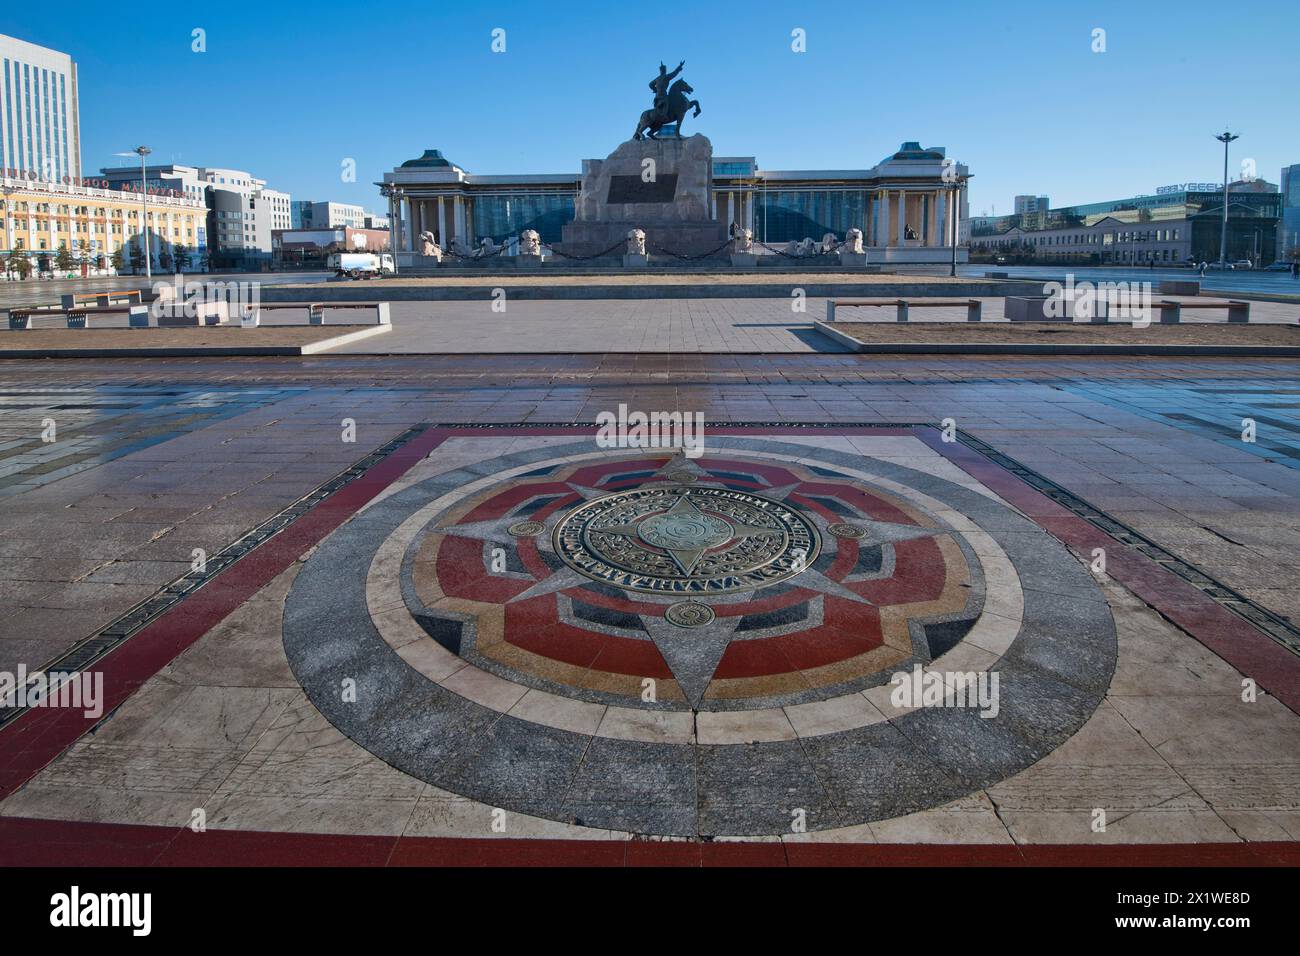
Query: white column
443, 234
902, 218
882, 220
932, 219
941, 217
410, 231
459, 217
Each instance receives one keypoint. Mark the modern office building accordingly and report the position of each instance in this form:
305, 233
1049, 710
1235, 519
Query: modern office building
901, 204
1288, 240
1171, 226
40, 131
243, 213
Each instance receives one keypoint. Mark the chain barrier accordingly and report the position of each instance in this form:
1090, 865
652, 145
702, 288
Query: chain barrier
565, 255
478, 254
702, 255
820, 251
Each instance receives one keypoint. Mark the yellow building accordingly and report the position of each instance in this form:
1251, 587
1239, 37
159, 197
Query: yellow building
37, 217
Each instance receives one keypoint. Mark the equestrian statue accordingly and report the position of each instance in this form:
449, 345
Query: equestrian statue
670, 104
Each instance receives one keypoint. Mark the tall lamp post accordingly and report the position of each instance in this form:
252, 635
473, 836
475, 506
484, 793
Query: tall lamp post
144, 216
954, 214
1225, 138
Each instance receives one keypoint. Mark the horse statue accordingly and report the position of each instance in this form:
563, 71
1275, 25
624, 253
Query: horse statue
674, 111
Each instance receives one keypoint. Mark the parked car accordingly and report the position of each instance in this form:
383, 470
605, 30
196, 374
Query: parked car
1243, 264
1278, 267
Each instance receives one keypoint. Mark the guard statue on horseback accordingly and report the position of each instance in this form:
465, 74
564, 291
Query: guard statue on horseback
670, 104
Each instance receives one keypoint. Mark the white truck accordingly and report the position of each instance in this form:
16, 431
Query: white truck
361, 265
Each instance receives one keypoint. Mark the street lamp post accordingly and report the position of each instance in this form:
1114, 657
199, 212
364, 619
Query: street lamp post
144, 215
954, 214
1225, 138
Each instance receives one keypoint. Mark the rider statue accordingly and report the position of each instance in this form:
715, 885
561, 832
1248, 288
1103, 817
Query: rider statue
671, 103
659, 85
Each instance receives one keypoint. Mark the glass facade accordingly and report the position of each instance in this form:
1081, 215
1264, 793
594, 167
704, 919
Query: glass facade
785, 215
503, 215
38, 125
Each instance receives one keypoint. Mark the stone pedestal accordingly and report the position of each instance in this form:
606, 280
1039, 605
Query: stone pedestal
744, 260
853, 260
526, 261
635, 262
662, 186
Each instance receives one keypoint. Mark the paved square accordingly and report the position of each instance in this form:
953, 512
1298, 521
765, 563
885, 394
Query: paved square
504, 631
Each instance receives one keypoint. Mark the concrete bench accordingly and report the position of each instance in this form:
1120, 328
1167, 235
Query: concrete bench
903, 306
251, 317
1171, 313
101, 299
1033, 308
137, 315
1180, 287
20, 316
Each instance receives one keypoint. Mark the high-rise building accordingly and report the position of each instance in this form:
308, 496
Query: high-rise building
40, 130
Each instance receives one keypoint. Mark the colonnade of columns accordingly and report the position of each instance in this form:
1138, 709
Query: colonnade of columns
927, 213
445, 216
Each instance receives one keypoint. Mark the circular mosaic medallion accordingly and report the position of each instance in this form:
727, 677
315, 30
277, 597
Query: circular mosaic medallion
689, 614
703, 540
570, 635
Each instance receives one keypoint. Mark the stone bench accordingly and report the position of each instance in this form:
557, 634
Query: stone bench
101, 299
137, 315
252, 316
903, 306
79, 317
1033, 308
1171, 313
20, 317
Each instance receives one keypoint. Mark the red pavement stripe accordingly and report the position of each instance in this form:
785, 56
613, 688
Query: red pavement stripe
38, 736
1233, 638
30, 842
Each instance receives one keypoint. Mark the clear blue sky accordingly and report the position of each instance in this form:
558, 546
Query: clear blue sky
1013, 89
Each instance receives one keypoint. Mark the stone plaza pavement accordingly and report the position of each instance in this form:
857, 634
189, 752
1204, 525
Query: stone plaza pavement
722, 325
215, 711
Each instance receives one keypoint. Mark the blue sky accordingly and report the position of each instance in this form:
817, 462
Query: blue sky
1012, 89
